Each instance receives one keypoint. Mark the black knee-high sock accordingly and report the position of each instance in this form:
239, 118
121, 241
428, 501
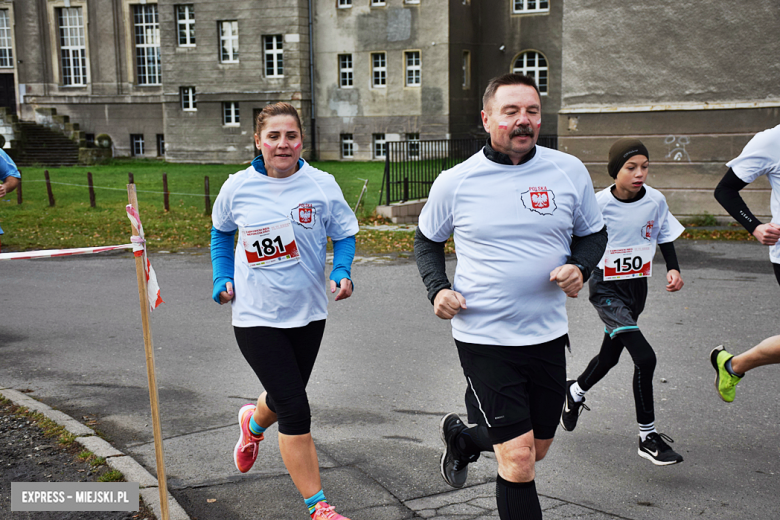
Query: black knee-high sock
517, 500
472, 441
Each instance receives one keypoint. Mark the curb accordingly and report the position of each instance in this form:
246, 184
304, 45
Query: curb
130, 468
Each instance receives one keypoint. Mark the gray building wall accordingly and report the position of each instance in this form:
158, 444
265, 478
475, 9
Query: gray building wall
113, 102
694, 80
110, 102
395, 110
519, 33
201, 136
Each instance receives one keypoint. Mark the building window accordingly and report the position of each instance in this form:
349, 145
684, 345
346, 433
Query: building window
414, 144
188, 101
147, 44
6, 44
380, 146
379, 69
73, 51
274, 59
345, 70
344, 4
230, 113
411, 1
530, 6
413, 69
89, 140
378, 3
347, 146
160, 145
228, 41
534, 65
136, 144
466, 70
185, 20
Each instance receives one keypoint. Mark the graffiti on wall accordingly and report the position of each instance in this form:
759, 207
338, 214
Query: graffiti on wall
676, 147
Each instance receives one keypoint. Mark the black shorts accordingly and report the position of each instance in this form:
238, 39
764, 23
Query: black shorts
776, 267
618, 302
513, 390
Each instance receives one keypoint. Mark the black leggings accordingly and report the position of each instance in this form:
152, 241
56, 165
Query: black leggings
283, 360
644, 365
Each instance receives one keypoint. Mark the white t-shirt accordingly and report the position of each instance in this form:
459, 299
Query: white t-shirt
646, 221
761, 156
307, 206
512, 226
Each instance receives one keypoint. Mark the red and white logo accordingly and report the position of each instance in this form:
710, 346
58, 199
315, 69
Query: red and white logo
304, 215
539, 199
647, 230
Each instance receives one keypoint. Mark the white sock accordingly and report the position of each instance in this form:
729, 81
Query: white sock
646, 429
577, 393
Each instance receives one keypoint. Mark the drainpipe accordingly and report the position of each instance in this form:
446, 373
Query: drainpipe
311, 87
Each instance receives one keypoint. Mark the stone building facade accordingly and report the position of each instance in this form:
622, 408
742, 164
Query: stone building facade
395, 70
693, 80
182, 80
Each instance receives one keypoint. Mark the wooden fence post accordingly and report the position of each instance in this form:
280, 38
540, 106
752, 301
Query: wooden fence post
92, 203
208, 195
19, 191
48, 188
166, 202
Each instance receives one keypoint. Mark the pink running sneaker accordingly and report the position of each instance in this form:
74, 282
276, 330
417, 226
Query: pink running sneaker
325, 511
245, 452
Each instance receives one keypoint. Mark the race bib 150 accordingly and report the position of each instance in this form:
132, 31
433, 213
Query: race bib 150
628, 262
270, 244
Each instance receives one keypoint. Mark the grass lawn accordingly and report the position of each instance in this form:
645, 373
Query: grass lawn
73, 223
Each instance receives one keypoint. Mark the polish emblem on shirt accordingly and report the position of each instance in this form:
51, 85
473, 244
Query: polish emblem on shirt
304, 215
647, 230
539, 199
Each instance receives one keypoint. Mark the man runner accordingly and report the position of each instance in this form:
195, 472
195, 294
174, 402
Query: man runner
513, 208
761, 156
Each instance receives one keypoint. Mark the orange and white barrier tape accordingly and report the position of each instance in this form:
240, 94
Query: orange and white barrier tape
138, 246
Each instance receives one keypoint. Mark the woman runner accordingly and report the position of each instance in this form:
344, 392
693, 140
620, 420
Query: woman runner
284, 210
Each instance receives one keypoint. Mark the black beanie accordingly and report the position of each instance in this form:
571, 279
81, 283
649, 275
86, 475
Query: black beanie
622, 151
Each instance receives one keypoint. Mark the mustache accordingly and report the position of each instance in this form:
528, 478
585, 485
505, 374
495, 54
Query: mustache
523, 130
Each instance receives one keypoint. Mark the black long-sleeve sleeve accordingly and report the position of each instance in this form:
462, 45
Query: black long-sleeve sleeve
670, 256
587, 251
430, 262
727, 193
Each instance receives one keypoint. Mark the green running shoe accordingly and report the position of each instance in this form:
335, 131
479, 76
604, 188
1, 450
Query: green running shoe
725, 382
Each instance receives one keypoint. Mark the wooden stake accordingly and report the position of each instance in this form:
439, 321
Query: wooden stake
92, 203
208, 194
150, 372
19, 191
166, 203
48, 188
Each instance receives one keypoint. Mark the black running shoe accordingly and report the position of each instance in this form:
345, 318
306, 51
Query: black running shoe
655, 449
571, 409
453, 470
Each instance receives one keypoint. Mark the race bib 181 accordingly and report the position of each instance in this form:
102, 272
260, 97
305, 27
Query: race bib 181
270, 244
628, 262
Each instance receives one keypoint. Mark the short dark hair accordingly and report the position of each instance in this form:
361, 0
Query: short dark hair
507, 79
276, 109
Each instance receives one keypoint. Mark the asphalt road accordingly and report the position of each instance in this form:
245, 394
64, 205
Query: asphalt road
388, 370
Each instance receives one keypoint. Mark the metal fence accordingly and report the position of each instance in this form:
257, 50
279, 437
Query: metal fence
412, 166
